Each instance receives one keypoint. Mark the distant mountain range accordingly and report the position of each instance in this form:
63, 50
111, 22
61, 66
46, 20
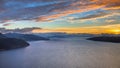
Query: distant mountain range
26, 37
62, 35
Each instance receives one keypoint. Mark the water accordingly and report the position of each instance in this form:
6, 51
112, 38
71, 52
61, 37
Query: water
64, 53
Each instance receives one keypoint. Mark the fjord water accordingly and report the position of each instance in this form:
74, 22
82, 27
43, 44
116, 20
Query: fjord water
63, 53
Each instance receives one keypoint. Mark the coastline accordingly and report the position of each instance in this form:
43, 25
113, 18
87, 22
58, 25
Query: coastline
112, 39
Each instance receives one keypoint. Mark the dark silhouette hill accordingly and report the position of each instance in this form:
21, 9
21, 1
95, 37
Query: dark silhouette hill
114, 39
11, 43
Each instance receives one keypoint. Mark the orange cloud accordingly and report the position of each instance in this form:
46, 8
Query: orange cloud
82, 6
110, 4
67, 12
113, 8
94, 0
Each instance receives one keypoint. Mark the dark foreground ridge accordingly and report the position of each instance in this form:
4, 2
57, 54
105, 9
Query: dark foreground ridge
114, 39
11, 43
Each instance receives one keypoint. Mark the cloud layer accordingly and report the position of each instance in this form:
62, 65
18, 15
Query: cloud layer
24, 30
84, 12
45, 10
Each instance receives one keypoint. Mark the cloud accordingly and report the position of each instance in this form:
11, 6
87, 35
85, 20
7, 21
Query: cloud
97, 15
109, 21
81, 6
27, 9
92, 29
47, 10
24, 30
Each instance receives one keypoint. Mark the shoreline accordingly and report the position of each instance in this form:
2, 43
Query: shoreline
112, 39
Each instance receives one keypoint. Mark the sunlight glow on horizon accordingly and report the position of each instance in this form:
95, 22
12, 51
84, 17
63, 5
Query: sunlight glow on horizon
89, 30
115, 31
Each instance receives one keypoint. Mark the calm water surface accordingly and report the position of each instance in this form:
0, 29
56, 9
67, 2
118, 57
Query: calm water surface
64, 53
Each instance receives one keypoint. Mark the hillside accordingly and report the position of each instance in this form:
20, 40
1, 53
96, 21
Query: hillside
11, 43
115, 39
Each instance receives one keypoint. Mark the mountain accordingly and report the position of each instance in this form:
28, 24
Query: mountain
62, 35
11, 43
26, 37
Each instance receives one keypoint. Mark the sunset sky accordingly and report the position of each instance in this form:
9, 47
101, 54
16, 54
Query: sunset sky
70, 16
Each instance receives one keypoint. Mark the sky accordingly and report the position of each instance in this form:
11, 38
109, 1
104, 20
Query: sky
70, 16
